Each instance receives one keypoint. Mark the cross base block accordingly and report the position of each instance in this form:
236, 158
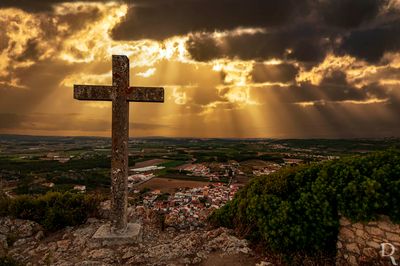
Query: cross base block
132, 234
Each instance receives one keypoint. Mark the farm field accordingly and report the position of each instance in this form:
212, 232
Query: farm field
167, 185
149, 163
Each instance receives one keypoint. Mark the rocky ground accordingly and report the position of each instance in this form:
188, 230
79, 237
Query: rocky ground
26, 242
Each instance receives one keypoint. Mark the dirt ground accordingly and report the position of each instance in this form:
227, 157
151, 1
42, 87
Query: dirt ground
222, 259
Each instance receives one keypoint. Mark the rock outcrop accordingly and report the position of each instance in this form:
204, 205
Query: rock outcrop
26, 242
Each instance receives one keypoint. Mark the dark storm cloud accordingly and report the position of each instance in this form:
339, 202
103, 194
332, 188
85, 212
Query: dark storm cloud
273, 73
31, 51
333, 88
371, 44
349, 13
303, 43
360, 24
159, 19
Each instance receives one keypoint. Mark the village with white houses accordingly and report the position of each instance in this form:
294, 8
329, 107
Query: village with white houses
188, 208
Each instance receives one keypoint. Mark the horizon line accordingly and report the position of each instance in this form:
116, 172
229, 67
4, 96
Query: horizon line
229, 138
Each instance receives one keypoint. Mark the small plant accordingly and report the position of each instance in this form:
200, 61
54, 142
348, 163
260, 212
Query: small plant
8, 261
11, 238
54, 210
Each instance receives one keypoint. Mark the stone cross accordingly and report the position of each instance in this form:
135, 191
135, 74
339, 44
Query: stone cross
120, 93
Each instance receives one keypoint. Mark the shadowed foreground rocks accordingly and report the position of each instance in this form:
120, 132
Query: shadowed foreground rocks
25, 242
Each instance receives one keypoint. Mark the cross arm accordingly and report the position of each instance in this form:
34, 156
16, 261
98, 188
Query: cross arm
107, 93
93, 92
145, 94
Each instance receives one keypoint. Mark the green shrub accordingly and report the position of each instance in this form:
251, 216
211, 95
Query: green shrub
4, 203
54, 210
297, 209
8, 261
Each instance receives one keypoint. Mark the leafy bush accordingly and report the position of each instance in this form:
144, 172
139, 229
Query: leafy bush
53, 210
297, 209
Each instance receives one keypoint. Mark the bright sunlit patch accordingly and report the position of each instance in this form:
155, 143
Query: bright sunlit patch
92, 41
331, 63
369, 101
148, 73
235, 72
237, 77
148, 52
219, 35
237, 95
273, 62
179, 95
358, 72
87, 78
357, 102
389, 82
18, 29
13, 83
100, 105
310, 103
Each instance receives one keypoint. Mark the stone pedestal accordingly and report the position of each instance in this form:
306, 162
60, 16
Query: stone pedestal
132, 234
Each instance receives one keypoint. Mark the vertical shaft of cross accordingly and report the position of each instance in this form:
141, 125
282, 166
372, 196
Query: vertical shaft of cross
120, 94
120, 136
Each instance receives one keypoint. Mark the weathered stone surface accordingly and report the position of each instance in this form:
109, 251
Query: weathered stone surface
352, 260
358, 226
75, 246
365, 246
360, 241
3, 245
120, 94
3, 241
353, 247
101, 253
360, 233
39, 235
375, 231
389, 227
393, 237
18, 228
346, 233
370, 252
63, 245
132, 234
373, 244
19, 242
128, 254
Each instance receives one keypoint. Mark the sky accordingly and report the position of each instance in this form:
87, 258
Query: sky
230, 68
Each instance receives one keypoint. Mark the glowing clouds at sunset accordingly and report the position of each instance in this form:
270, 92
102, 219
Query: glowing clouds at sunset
284, 70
